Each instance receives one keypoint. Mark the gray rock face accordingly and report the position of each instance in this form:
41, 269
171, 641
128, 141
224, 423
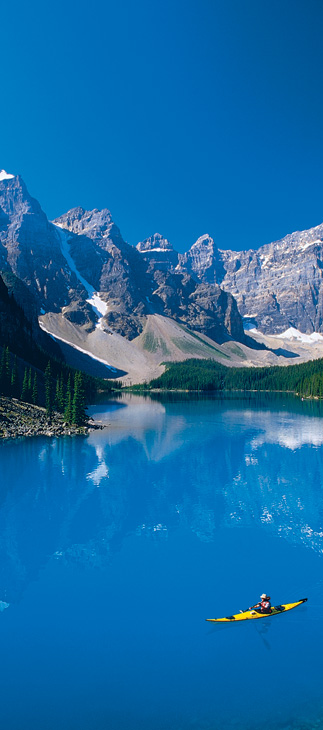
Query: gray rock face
158, 252
280, 285
111, 266
30, 248
205, 308
203, 261
276, 287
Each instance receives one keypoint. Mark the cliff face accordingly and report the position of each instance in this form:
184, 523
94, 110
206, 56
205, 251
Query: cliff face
30, 248
203, 261
280, 285
276, 287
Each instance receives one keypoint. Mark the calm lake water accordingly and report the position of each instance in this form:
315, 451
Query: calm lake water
115, 547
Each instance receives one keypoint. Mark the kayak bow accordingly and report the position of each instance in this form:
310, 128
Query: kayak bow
251, 613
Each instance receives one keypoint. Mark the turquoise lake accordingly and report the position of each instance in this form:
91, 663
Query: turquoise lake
115, 547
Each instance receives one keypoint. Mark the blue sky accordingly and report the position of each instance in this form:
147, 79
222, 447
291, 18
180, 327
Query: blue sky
181, 117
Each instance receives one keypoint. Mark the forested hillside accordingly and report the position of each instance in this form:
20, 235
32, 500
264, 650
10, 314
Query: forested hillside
206, 375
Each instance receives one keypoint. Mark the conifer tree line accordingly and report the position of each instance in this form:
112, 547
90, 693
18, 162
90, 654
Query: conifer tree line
59, 388
305, 379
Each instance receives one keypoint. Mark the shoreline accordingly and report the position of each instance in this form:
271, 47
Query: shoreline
20, 419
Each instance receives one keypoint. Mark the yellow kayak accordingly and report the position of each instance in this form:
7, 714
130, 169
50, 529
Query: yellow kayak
252, 613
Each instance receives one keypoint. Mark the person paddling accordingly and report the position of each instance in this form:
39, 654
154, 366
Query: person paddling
264, 606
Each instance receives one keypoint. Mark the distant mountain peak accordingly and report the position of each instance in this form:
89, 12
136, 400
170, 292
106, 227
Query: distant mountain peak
156, 242
78, 220
204, 240
5, 175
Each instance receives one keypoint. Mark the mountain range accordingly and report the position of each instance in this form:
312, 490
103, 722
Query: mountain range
133, 307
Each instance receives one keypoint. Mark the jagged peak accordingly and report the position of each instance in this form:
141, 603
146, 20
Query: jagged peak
156, 242
204, 240
80, 220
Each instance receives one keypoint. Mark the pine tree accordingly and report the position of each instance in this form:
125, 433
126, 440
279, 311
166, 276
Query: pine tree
35, 390
78, 408
3, 372
48, 390
5, 375
30, 386
61, 394
68, 401
8, 372
24, 392
15, 380
57, 408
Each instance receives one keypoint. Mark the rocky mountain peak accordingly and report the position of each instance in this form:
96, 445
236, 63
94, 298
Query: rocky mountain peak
86, 222
95, 224
158, 252
203, 242
154, 243
202, 260
15, 200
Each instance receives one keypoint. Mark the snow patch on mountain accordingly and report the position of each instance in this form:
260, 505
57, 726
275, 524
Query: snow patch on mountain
293, 334
98, 305
310, 243
149, 250
5, 175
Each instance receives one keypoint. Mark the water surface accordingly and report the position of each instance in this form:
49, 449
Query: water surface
115, 547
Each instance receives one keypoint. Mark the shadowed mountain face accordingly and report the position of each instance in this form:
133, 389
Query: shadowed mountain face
19, 328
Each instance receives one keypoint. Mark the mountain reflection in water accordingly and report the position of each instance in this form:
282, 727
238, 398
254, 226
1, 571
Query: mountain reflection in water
202, 503
232, 467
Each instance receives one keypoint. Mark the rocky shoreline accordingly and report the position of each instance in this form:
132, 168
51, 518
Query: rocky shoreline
24, 419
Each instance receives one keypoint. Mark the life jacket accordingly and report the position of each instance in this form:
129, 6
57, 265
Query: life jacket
265, 606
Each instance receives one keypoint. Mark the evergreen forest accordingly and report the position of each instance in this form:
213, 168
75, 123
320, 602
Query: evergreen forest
305, 379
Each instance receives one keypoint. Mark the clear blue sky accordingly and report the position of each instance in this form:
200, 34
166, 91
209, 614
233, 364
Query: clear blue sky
185, 118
